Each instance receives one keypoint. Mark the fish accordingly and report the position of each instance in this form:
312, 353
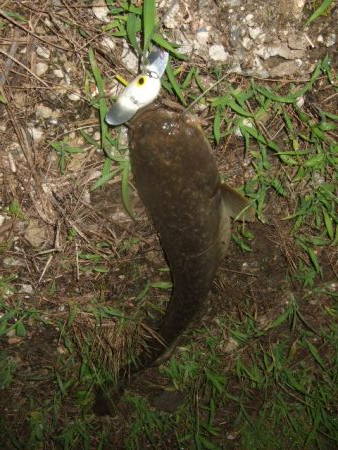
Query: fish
177, 179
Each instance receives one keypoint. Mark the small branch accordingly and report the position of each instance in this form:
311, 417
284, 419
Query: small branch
24, 67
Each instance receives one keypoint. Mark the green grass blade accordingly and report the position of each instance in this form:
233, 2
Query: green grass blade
149, 22
319, 11
217, 126
102, 101
292, 98
174, 83
158, 39
132, 29
315, 354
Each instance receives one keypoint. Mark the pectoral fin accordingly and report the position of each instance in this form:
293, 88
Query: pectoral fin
236, 205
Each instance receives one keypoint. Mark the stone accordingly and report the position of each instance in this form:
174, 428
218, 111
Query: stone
58, 73
101, 11
74, 96
36, 133
35, 234
284, 69
218, 53
331, 40
41, 68
43, 112
108, 43
43, 52
129, 59
170, 21
202, 36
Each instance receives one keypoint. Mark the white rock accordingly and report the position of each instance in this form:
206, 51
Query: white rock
101, 11
108, 43
202, 36
12, 262
43, 111
129, 59
69, 67
297, 7
218, 53
331, 40
74, 96
43, 52
232, 436
2, 219
333, 287
278, 50
231, 345
320, 39
58, 73
86, 196
249, 20
283, 69
67, 79
36, 133
41, 68
254, 32
48, 23
26, 289
170, 21
56, 113
20, 99
35, 234
238, 132
247, 43
11, 333
297, 42
185, 43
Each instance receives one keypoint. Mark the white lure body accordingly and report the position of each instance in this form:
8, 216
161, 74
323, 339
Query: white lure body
142, 91
139, 93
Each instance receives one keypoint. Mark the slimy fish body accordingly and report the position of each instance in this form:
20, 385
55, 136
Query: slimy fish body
177, 179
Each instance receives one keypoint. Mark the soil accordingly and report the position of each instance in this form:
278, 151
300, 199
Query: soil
47, 245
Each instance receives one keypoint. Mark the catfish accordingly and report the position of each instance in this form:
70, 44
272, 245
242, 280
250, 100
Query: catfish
177, 179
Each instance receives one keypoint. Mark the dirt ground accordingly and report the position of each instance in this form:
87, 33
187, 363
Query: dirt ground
68, 247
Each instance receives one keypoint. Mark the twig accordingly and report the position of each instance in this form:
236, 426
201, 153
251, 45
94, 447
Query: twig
203, 94
77, 261
24, 67
45, 268
9, 62
14, 22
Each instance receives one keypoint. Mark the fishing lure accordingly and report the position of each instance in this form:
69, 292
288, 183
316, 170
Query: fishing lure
142, 91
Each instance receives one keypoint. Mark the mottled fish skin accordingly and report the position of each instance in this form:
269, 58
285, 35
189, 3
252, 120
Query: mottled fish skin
177, 179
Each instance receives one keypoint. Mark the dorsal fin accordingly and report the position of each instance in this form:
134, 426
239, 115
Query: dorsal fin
236, 205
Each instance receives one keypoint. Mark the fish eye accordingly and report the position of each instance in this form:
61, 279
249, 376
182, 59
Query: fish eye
141, 81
